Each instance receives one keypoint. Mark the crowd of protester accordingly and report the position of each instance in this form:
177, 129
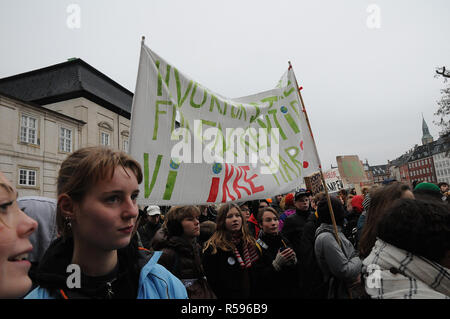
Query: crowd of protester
389, 241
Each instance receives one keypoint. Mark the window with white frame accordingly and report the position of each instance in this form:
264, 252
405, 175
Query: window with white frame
104, 138
27, 177
125, 145
65, 140
28, 129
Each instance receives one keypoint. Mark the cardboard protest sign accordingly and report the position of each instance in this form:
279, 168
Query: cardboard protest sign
314, 183
334, 181
224, 149
351, 169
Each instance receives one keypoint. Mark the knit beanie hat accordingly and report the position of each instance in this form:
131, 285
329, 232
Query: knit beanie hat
289, 201
357, 203
428, 187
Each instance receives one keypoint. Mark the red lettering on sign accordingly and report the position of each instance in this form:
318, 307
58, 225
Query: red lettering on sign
213, 190
239, 172
255, 189
231, 182
225, 190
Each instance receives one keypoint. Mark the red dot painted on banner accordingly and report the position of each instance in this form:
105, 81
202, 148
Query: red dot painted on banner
301, 145
300, 88
305, 164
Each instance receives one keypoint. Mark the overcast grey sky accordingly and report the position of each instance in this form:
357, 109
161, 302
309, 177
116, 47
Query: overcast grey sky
365, 88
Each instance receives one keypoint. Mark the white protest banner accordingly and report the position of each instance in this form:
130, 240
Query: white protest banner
225, 149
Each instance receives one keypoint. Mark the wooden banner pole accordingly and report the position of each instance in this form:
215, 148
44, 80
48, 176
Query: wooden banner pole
333, 220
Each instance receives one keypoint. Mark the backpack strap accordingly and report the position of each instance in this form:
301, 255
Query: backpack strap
259, 247
261, 243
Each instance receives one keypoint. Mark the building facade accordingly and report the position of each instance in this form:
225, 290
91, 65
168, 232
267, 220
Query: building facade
48, 113
380, 173
421, 165
33, 143
441, 158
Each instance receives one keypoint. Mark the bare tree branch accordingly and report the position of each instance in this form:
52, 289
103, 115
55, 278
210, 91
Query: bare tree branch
443, 73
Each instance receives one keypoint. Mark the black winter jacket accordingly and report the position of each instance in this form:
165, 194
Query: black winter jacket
293, 228
227, 278
311, 283
276, 284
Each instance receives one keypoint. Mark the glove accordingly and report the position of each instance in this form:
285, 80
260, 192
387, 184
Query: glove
279, 261
292, 261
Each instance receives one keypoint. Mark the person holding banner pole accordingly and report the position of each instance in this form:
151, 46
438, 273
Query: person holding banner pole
339, 261
318, 158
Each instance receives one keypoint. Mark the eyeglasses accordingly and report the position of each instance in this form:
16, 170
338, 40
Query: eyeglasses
245, 209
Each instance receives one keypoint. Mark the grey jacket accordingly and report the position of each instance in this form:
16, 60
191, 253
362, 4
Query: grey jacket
342, 263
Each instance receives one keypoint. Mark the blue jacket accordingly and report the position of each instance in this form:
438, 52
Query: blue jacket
155, 282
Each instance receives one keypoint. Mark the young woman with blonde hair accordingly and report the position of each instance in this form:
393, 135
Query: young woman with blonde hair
231, 257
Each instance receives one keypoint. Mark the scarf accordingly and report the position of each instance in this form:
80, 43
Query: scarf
249, 252
394, 273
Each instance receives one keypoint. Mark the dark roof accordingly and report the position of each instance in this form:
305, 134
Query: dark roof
379, 170
441, 145
402, 160
420, 152
69, 80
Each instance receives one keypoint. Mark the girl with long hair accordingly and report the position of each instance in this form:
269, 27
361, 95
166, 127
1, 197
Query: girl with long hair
231, 256
380, 201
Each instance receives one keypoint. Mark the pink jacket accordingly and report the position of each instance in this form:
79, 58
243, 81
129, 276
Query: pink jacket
284, 216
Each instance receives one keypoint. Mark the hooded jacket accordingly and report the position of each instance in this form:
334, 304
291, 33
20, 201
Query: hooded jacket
137, 275
43, 210
344, 263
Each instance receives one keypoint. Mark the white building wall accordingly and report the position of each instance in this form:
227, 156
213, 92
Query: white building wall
442, 167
